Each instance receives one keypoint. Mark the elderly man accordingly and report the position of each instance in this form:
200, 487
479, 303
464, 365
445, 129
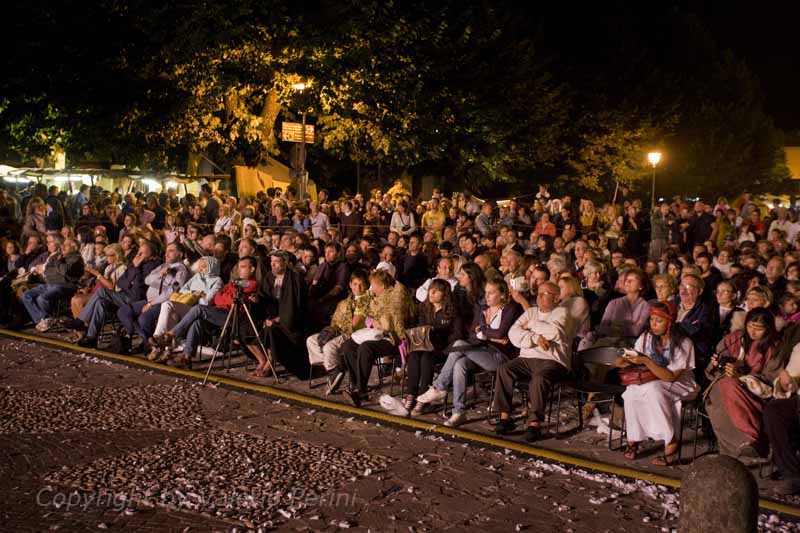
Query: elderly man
282, 304
544, 359
139, 318
695, 318
62, 273
444, 271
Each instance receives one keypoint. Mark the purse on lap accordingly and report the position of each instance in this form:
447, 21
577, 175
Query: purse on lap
636, 375
419, 339
184, 298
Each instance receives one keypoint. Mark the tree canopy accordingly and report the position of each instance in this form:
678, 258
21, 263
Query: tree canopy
479, 92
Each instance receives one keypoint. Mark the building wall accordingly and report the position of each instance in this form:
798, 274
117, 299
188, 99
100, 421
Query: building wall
793, 161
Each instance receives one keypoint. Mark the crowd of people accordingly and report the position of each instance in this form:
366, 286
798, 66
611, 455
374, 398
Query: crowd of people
701, 299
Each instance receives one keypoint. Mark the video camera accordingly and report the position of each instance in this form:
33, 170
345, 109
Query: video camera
241, 283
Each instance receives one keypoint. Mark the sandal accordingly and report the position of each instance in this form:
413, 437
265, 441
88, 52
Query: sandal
631, 451
668, 458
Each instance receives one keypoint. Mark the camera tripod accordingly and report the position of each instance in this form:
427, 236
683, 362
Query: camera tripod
231, 330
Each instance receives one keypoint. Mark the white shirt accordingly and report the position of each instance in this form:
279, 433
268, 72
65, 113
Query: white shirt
319, 224
532, 325
422, 291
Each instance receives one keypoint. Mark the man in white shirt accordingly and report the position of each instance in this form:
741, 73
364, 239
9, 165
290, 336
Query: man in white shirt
544, 359
444, 270
319, 220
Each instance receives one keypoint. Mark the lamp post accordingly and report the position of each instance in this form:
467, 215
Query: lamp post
654, 158
300, 87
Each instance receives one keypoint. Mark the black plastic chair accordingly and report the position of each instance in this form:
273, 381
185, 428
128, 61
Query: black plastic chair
602, 393
694, 410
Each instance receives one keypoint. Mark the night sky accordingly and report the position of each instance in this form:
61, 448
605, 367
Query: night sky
766, 35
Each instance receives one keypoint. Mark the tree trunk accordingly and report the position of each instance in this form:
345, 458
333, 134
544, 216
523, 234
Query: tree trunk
269, 114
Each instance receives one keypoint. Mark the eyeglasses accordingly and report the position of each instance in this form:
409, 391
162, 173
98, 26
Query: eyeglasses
688, 286
546, 293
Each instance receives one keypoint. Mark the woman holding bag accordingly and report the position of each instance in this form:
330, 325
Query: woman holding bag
440, 324
199, 289
658, 374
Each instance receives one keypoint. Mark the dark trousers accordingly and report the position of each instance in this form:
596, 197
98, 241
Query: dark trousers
542, 375
358, 359
782, 425
287, 350
137, 323
419, 367
198, 319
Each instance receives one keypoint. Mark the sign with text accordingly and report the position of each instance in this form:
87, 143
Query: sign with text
292, 132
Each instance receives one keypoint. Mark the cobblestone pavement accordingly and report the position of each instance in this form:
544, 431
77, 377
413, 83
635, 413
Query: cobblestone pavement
130, 449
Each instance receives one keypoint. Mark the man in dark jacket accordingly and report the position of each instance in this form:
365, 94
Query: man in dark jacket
281, 307
694, 316
351, 222
131, 287
62, 274
328, 287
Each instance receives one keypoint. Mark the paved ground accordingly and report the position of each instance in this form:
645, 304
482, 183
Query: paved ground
87, 445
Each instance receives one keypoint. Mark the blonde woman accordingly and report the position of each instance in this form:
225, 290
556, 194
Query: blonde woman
115, 268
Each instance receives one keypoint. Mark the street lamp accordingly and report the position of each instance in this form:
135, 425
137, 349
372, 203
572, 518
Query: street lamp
299, 88
654, 158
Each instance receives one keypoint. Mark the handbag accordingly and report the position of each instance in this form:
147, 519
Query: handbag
326, 335
636, 375
363, 335
187, 298
419, 339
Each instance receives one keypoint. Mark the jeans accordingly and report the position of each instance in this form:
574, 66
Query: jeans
40, 301
458, 366
102, 303
137, 323
191, 325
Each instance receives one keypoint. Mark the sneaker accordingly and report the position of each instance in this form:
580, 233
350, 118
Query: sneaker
505, 426
455, 420
533, 433
179, 362
164, 340
334, 383
154, 354
46, 324
432, 395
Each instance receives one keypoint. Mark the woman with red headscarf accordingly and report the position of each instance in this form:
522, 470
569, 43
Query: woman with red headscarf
658, 374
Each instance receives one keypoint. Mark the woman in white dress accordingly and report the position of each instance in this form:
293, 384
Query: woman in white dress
653, 408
